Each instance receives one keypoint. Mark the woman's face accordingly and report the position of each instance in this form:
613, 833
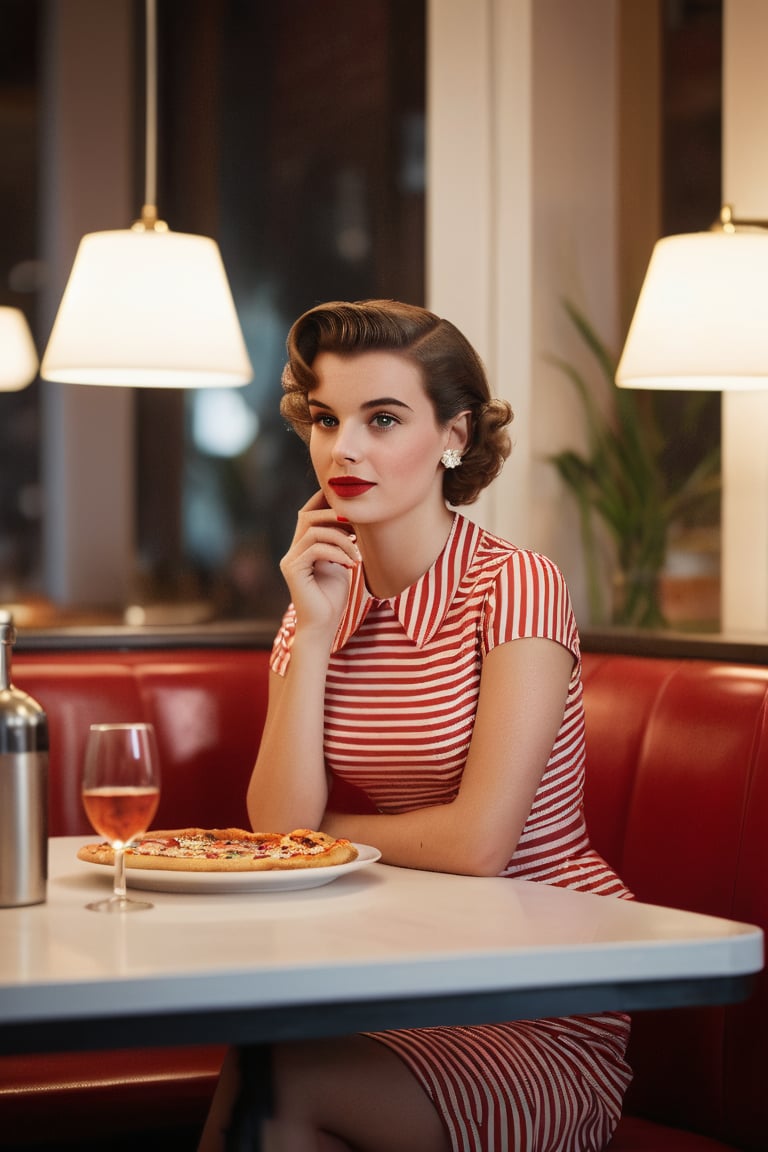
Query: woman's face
375, 443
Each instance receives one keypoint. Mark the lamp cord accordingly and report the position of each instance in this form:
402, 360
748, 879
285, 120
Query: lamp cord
149, 210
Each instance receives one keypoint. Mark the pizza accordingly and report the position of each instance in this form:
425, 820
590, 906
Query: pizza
227, 850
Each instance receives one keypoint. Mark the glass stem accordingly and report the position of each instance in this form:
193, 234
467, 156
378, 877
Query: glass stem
120, 893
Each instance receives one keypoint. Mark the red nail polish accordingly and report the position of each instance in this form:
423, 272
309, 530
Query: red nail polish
342, 520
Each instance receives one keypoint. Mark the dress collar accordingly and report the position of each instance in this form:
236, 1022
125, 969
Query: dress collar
421, 608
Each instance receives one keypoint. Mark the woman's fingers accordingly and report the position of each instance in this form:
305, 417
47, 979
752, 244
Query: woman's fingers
316, 514
321, 542
316, 510
317, 572
316, 566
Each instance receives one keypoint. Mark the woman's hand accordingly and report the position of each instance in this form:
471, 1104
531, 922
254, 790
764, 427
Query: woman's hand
288, 787
316, 567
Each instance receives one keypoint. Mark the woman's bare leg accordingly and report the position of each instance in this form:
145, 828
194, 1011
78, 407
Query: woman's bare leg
356, 1091
350, 1094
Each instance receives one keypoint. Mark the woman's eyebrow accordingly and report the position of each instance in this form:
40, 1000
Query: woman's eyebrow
386, 402
383, 401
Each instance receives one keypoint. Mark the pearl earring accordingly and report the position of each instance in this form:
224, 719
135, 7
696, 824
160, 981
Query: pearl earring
451, 458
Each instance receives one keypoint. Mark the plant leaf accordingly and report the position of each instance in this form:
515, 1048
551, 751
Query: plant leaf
621, 479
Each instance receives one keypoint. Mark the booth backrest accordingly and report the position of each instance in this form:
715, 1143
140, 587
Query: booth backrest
208, 709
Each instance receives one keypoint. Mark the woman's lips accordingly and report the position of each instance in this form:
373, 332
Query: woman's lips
349, 486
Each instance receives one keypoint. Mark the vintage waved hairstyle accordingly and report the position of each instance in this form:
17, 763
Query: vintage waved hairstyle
452, 372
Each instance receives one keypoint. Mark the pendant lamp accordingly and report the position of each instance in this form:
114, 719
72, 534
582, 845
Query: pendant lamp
145, 306
701, 320
18, 355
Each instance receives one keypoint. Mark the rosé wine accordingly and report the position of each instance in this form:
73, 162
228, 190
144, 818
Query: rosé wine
120, 814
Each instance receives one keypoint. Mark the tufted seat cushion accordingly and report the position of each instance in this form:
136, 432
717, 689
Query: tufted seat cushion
67, 1094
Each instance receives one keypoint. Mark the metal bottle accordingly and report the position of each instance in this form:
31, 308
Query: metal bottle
23, 786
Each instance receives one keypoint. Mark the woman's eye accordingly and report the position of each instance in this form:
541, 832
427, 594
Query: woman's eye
324, 421
384, 420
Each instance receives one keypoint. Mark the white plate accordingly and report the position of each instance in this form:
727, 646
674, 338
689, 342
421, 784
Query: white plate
279, 880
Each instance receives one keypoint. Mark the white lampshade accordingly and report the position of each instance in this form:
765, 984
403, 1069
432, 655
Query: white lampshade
18, 355
701, 321
147, 308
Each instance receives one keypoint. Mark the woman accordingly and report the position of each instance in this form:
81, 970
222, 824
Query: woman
436, 667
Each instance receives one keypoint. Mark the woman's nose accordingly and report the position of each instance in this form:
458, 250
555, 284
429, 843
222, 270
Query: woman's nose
346, 446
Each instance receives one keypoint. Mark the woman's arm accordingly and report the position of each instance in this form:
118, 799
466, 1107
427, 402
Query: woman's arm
288, 787
523, 689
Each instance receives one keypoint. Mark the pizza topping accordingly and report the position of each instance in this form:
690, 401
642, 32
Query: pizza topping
207, 846
200, 846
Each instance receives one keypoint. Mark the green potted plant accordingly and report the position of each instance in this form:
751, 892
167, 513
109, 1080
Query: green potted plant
623, 481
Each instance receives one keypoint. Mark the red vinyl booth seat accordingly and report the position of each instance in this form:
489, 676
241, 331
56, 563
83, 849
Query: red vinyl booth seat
677, 801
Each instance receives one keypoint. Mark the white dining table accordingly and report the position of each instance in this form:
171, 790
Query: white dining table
377, 947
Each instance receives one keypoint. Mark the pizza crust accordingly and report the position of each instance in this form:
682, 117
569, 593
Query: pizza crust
227, 850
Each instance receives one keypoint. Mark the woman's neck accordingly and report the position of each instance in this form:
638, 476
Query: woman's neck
395, 555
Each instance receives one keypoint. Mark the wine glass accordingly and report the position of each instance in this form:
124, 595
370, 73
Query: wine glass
121, 791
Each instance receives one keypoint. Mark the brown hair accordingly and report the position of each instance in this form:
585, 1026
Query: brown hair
452, 372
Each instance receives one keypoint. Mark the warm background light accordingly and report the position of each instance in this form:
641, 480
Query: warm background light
18, 356
147, 309
701, 321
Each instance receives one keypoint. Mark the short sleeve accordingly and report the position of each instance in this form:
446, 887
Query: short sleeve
529, 598
283, 642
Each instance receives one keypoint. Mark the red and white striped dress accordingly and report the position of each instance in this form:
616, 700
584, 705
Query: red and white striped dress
401, 697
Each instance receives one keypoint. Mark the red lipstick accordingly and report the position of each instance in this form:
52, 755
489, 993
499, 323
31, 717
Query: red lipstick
350, 486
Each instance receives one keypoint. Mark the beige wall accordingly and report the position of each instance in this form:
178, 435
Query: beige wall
745, 415
522, 211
